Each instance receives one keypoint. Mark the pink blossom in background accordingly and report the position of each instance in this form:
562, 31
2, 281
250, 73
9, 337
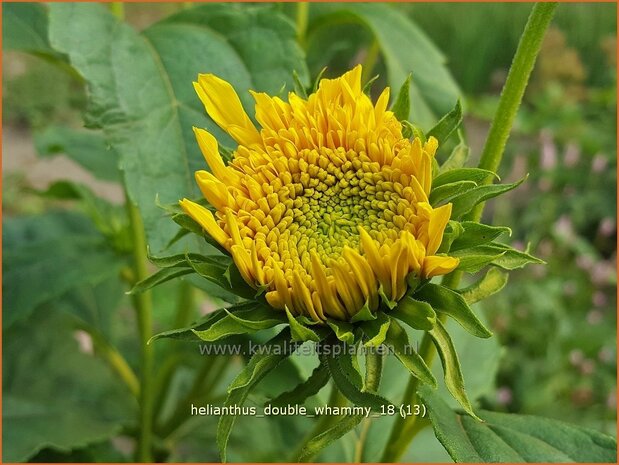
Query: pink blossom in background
571, 157
599, 163
595, 317
549, 150
607, 227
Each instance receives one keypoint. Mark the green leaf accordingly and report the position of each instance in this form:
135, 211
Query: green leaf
299, 331
109, 219
344, 331
224, 274
457, 159
53, 253
444, 193
447, 124
452, 231
184, 259
415, 313
512, 258
433, 89
397, 339
402, 106
242, 322
87, 148
475, 234
365, 314
376, 330
493, 281
504, 437
261, 363
453, 304
141, 93
90, 409
476, 258
451, 366
325, 438
308, 388
25, 28
187, 334
476, 175
463, 203
349, 383
159, 277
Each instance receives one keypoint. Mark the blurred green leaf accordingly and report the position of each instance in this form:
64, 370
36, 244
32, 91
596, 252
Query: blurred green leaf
503, 437
48, 402
140, 86
432, 89
69, 255
24, 28
87, 148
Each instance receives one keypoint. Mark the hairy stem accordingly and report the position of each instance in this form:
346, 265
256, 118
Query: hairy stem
492, 154
302, 17
143, 307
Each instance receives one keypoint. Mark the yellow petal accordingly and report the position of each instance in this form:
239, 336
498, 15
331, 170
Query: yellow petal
331, 304
438, 220
210, 151
363, 272
215, 191
347, 288
224, 107
243, 263
303, 294
205, 219
281, 285
373, 257
436, 265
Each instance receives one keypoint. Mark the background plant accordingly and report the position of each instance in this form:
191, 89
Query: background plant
149, 134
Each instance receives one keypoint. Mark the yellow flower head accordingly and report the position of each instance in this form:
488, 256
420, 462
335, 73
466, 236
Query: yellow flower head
326, 204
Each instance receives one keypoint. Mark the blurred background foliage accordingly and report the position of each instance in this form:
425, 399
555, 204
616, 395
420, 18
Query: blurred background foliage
556, 324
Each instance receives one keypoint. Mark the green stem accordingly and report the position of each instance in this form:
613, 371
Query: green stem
185, 305
513, 91
143, 306
301, 20
116, 361
492, 154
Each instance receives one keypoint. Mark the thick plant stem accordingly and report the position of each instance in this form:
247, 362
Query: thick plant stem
143, 306
301, 21
509, 102
513, 91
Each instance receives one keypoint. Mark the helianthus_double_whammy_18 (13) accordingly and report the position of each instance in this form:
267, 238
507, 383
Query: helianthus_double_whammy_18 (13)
325, 206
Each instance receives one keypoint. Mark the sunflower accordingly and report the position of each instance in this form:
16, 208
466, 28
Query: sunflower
325, 206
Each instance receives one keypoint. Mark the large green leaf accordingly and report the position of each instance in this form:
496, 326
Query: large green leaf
503, 437
46, 256
24, 28
141, 94
47, 400
405, 49
88, 148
